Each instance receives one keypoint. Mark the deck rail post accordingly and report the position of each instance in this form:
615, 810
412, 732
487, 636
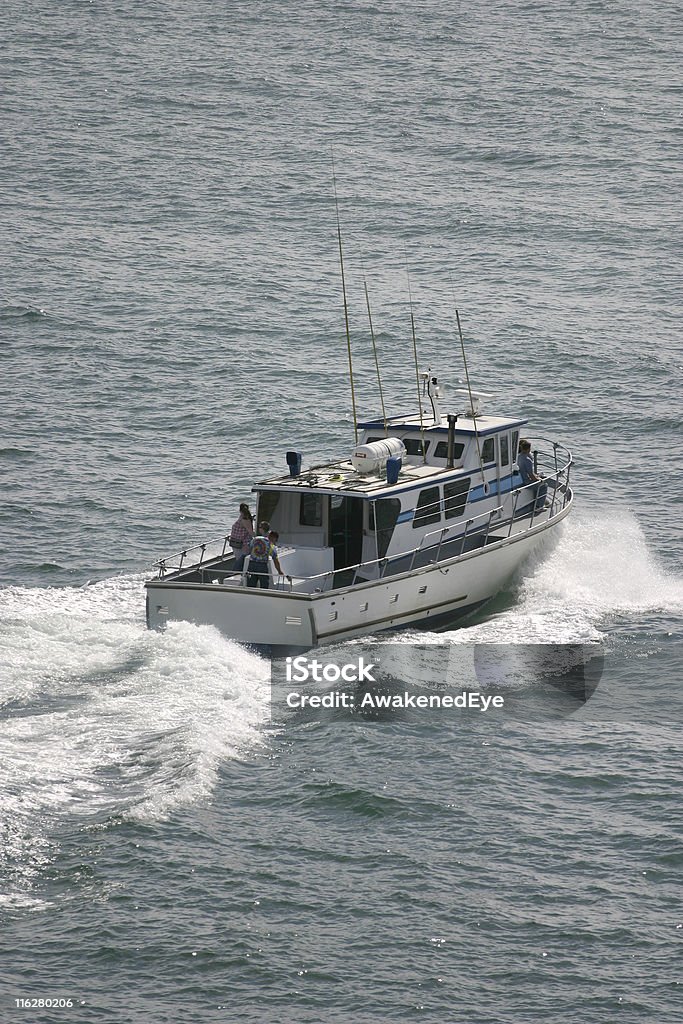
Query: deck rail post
554, 497
415, 551
488, 526
566, 485
515, 500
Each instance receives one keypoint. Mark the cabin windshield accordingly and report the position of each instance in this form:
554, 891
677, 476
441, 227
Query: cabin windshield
268, 501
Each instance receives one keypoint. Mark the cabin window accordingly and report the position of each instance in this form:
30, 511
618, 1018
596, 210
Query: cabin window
428, 509
515, 445
441, 450
311, 510
371, 440
267, 503
384, 512
487, 451
504, 450
414, 446
455, 497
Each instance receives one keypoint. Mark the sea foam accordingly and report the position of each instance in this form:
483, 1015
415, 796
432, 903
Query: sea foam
599, 568
106, 721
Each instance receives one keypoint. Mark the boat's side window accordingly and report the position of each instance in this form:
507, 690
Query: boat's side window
504, 450
455, 497
414, 445
428, 509
371, 440
311, 510
515, 444
441, 450
384, 512
487, 450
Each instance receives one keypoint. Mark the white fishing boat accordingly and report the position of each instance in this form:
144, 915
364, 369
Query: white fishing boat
425, 520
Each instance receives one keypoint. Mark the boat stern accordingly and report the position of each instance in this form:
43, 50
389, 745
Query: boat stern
250, 616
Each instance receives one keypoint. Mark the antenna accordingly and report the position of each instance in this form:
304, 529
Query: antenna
417, 369
374, 349
346, 308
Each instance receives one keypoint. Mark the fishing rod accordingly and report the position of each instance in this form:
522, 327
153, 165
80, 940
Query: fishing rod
417, 369
374, 349
469, 391
346, 308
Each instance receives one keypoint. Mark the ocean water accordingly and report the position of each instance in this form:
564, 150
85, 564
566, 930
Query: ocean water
174, 847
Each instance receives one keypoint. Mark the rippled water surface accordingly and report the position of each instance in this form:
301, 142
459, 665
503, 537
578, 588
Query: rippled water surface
171, 847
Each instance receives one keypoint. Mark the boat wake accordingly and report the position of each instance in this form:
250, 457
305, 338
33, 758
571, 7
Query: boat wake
596, 573
105, 721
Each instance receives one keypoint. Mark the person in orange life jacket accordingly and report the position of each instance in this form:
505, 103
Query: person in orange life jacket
260, 550
241, 535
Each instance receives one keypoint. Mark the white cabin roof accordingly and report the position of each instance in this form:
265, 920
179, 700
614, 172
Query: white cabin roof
464, 425
341, 478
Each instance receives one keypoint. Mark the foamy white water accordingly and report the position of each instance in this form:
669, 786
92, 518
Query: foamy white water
105, 720
599, 568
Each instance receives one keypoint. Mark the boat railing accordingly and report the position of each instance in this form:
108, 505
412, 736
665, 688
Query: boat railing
446, 531
560, 461
194, 556
556, 453
382, 564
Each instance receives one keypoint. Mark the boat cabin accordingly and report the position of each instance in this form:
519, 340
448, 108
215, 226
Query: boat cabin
405, 482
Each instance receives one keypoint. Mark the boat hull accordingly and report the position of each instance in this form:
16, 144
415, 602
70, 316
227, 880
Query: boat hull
430, 597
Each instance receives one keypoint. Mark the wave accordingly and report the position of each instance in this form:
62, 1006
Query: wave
105, 721
599, 569
22, 313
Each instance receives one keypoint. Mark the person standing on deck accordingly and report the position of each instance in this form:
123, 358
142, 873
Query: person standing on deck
260, 550
241, 535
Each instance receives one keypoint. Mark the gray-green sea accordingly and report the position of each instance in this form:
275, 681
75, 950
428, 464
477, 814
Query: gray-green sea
171, 322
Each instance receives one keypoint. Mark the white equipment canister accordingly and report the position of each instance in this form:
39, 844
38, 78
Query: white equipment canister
372, 458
